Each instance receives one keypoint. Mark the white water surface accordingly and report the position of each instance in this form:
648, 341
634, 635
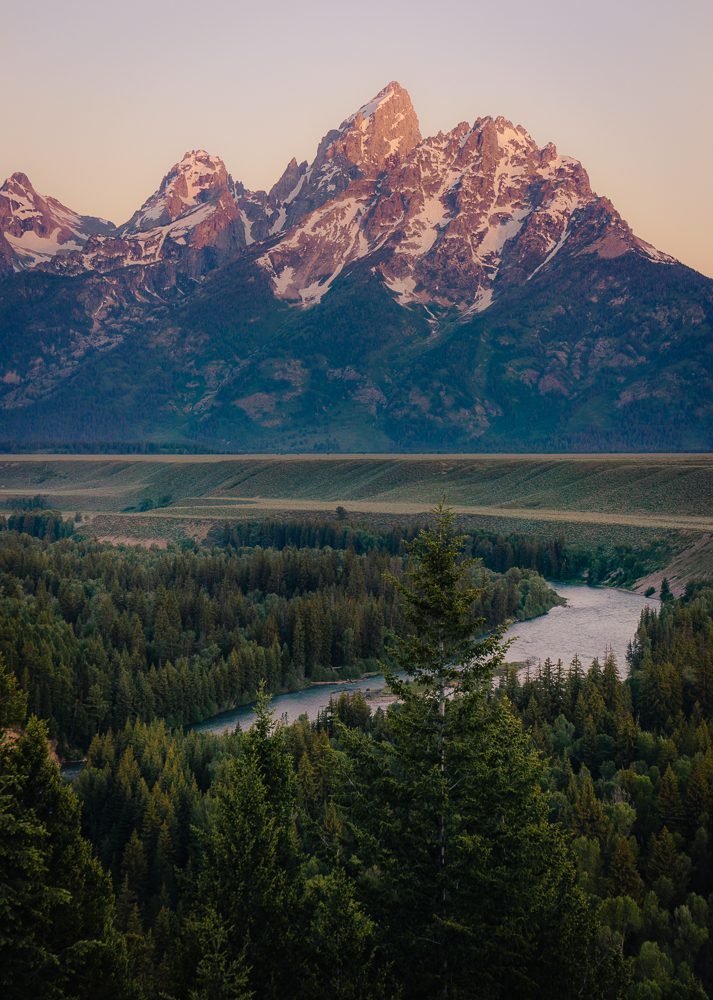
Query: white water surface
593, 620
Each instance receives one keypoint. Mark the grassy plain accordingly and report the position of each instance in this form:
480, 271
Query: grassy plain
599, 499
674, 487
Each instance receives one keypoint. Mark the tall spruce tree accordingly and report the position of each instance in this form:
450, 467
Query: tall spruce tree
251, 878
472, 887
57, 935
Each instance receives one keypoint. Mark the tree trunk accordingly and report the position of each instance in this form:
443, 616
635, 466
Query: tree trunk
442, 830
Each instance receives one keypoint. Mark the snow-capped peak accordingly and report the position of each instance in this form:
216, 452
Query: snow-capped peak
384, 126
370, 141
368, 109
455, 219
197, 178
200, 171
17, 182
38, 228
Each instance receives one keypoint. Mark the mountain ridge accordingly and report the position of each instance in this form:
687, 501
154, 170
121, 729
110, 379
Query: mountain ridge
463, 290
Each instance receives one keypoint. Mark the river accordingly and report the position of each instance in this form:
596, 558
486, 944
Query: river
593, 619
290, 706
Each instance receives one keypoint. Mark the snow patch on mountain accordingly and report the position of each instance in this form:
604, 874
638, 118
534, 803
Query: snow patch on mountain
483, 301
193, 180
553, 252
450, 216
247, 228
35, 249
504, 227
305, 264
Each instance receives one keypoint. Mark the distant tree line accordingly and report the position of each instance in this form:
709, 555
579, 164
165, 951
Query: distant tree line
552, 557
49, 525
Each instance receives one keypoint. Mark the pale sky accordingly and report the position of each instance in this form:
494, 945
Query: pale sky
101, 97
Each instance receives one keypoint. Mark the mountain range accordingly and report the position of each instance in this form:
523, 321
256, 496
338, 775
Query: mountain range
462, 292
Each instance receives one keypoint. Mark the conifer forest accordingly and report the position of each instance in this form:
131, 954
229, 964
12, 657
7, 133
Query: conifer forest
488, 831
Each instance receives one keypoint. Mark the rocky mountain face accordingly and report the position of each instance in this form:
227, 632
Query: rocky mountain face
364, 146
455, 219
467, 290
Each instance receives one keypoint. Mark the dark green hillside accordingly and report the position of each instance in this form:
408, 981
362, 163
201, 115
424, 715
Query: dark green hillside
593, 354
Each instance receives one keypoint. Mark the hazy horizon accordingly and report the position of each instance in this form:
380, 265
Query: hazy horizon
108, 99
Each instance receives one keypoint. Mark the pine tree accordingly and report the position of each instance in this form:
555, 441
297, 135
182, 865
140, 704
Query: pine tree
474, 884
440, 655
668, 866
13, 700
611, 687
298, 645
669, 810
221, 972
341, 948
57, 935
624, 878
443, 650
588, 817
251, 868
698, 796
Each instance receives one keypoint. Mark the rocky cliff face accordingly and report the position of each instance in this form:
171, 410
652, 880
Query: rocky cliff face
463, 291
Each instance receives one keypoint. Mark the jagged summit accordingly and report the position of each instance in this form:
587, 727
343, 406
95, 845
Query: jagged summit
383, 127
372, 139
452, 221
288, 181
392, 89
197, 178
198, 218
17, 182
35, 229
